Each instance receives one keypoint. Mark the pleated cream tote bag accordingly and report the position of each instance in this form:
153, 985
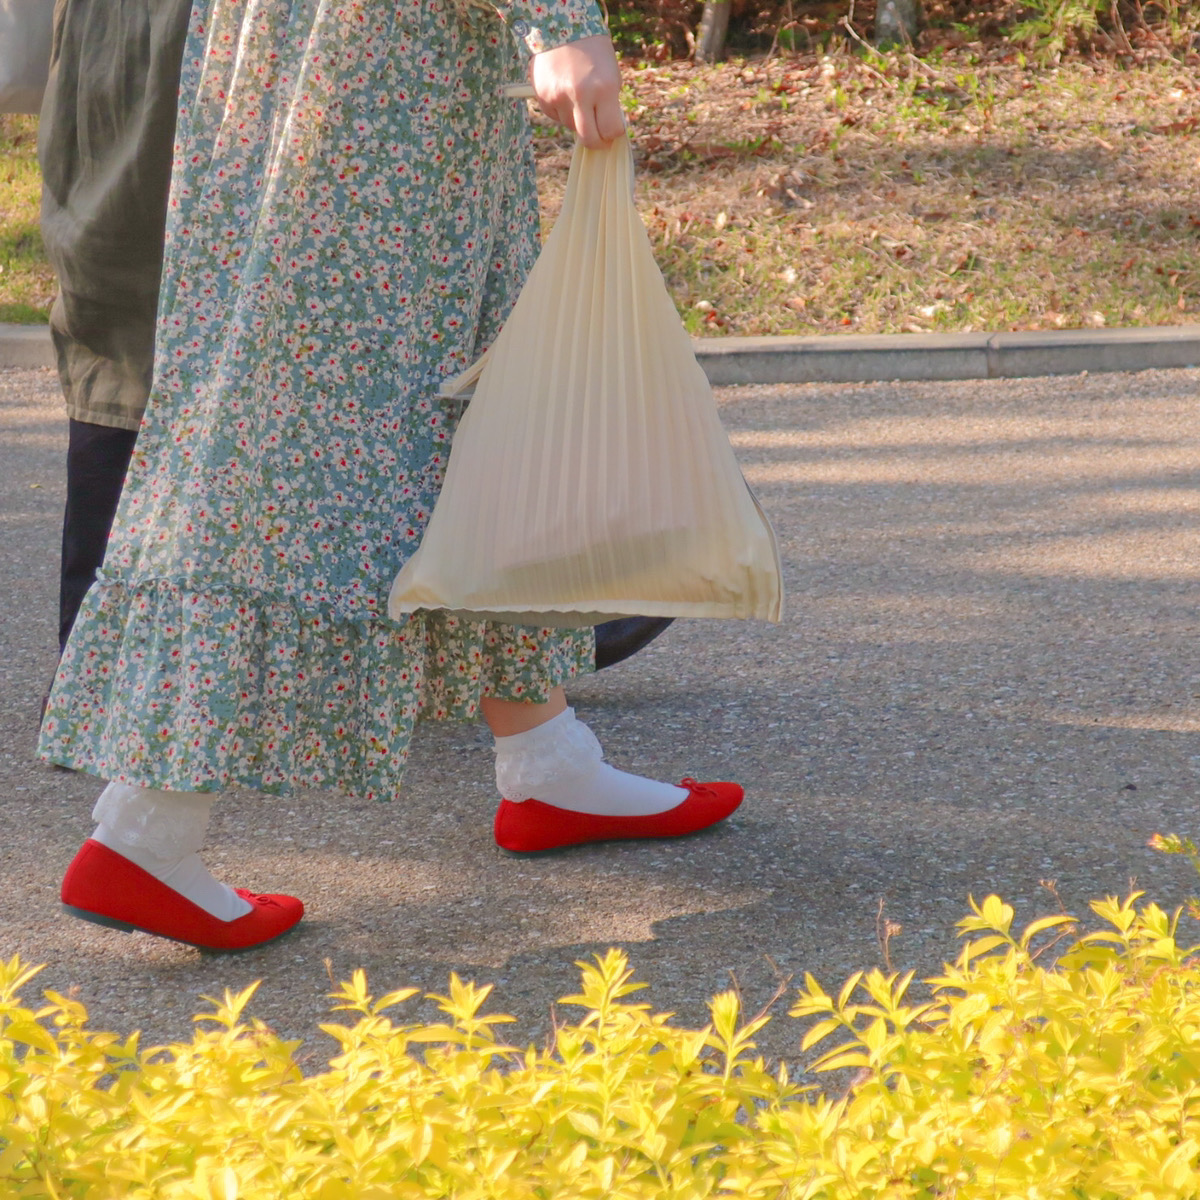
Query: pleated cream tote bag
590, 477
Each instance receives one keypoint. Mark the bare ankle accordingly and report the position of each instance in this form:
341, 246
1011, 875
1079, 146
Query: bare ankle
508, 717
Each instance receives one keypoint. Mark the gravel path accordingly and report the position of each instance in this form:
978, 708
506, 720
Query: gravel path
987, 678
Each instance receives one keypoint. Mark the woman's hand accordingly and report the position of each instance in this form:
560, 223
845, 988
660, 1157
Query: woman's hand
579, 86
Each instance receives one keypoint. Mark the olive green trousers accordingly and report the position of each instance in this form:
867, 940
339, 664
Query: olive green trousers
105, 142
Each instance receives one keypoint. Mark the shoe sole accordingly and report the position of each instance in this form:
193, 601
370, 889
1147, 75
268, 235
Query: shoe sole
612, 841
125, 927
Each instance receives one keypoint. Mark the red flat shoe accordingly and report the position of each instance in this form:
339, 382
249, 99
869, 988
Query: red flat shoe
106, 888
531, 826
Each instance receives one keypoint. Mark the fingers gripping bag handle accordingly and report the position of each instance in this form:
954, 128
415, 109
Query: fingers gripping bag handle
590, 477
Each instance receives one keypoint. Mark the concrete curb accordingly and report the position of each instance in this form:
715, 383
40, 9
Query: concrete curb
25, 346
854, 358
915, 356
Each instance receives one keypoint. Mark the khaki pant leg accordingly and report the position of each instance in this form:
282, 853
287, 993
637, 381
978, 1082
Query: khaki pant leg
105, 145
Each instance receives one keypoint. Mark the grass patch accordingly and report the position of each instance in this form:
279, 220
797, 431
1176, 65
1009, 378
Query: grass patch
808, 195
26, 281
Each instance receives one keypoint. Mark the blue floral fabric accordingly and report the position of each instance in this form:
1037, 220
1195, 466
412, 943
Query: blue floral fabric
352, 214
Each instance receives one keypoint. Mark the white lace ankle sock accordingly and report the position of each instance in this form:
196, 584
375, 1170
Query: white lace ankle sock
561, 763
162, 833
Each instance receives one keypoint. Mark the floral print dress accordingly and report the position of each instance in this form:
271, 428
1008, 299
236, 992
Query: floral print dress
352, 214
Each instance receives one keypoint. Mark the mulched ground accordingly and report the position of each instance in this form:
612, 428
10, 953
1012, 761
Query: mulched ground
826, 194
968, 189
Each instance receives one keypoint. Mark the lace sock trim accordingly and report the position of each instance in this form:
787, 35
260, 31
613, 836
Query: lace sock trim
554, 753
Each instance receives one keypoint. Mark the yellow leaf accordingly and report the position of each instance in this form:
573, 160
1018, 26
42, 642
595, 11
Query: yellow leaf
997, 914
821, 1029
30, 1033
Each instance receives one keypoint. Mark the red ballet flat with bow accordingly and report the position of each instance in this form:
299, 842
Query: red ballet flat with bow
105, 888
531, 827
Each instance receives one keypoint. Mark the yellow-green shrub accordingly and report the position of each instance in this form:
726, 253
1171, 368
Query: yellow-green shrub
1015, 1077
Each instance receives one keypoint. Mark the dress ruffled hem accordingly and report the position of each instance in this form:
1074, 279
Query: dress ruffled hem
166, 687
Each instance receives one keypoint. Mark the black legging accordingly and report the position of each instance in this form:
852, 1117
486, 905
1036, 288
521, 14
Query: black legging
97, 459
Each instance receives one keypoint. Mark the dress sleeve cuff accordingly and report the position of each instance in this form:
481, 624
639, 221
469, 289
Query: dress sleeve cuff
539, 25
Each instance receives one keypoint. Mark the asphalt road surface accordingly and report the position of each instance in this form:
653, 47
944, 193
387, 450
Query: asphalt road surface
987, 678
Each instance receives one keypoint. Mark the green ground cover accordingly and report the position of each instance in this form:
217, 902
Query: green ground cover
26, 281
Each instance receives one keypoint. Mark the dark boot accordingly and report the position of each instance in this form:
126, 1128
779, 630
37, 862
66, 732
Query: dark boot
621, 639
